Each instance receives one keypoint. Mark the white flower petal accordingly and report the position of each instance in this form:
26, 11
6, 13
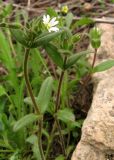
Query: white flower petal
53, 22
53, 29
46, 19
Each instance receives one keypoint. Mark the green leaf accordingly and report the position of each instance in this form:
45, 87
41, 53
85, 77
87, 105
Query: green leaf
60, 157
15, 155
45, 38
2, 125
45, 94
12, 25
28, 100
75, 38
66, 115
19, 36
69, 19
24, 121
6, 11
33, 139
50, 11
74, 58
83, 21
40, 40
69, 149
53, 52
65, 51
78, 124
103, 66
2, 91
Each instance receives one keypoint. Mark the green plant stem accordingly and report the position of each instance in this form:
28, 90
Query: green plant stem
56, 122
40, 138
61, 137
50, 141
55, 125
88, 77
59, 87
57, 106
36, 108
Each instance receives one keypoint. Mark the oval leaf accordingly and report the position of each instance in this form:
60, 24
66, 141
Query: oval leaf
24, 121
50, 11
45, 94
74, 58
83, 21
60, 157
69, 19
53, 52
66, 115
19, 36
45, 38
33, 139
103, 66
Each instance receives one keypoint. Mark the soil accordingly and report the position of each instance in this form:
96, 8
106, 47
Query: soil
92, 8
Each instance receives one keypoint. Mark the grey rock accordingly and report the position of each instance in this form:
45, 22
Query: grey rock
97, 140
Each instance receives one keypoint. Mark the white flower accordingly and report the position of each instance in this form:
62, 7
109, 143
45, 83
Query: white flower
50, 23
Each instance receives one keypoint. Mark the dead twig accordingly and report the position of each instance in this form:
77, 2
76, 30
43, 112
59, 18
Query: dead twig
99, 20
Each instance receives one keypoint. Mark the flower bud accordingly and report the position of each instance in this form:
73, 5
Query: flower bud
64, 9
95, 37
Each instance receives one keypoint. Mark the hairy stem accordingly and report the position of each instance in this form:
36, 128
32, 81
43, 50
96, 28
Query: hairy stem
50, 141
57, 106
36, 108
61, 136
40, 138
56, 122
94, 58
88, 77
59, 87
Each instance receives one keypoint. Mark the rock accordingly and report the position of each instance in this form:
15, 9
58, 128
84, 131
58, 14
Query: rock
97, 140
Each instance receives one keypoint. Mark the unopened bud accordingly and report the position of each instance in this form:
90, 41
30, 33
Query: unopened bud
95, 37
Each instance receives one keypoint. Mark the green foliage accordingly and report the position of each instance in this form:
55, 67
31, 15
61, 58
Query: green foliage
2, 90
24, 121
53, 52
27, 38
82, 22
5, 11
33, 139
48, 83
66, 115
61, 157
50, 11
44, 95
112, 1
103, 66
74, 58
69, 19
